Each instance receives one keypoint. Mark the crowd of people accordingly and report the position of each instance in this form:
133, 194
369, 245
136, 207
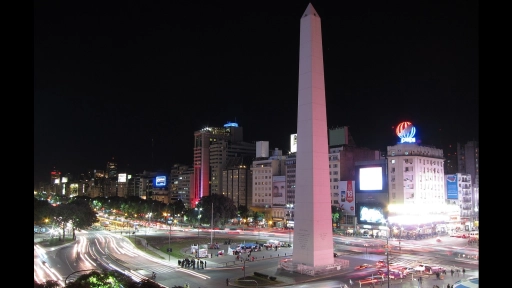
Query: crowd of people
191, 263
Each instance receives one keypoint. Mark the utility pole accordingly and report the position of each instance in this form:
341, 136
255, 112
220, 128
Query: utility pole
211, 230
170, 231
387, 255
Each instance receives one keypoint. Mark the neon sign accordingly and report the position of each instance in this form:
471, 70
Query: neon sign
406, 132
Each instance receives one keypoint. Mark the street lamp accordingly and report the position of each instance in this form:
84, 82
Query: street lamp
387, 255
289, 206
211, 229
170, 230
198, 219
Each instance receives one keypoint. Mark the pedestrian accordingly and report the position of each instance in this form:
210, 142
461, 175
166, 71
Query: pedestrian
463, 271
204, 263
451, 271
227, 281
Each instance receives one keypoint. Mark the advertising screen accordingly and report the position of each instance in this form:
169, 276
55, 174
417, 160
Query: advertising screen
293, 143
370, 213
160, 181
370, 179
451, 187
121, 178
347, 197
278, 191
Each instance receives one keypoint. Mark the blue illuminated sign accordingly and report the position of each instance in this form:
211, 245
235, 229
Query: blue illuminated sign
160, 181
451, 187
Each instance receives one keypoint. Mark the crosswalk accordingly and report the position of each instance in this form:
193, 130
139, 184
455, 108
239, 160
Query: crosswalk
409, 262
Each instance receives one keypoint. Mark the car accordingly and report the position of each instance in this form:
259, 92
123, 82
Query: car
381, 263
371, 280
408, 270
420, 268
335, 254
363, 266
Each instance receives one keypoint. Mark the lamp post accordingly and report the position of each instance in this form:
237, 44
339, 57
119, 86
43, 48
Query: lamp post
475, 216
170, 230
289, 206
387, 255
146, 231
211, 230
198, 220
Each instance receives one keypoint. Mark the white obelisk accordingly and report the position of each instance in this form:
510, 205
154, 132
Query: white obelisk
313, 242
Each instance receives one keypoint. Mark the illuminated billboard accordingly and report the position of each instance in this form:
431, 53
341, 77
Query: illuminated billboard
64, 180
293, 143
347, 197
373, 213
121, 177
160, 181
451, 187
371, 176
406, 132
278, 191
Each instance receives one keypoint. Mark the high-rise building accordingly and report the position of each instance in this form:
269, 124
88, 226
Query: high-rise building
112, 170
415, 174
237, 182
266, 173
180, 183
55, 182
213, 147
468, 158
450, 163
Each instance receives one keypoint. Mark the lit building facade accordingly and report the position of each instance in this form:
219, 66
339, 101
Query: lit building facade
416, 174
263, 174
213, 146
180, 183
111, 170
237, 184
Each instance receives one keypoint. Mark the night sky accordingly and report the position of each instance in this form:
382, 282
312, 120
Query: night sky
134, 79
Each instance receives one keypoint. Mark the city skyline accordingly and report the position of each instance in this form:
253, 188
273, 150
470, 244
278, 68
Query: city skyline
134, 83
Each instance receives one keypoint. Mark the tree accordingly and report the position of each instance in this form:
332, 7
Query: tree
109, 278
243, 211
257, 217
84, 215
335, 215
105, 278
47, 284
62, 216
42, 211
224, 209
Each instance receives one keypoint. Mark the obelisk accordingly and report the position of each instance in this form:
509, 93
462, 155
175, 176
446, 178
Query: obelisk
313, 242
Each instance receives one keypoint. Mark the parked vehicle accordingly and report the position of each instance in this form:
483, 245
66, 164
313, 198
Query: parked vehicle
434, 269
363, 266
420, 268
393, 274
